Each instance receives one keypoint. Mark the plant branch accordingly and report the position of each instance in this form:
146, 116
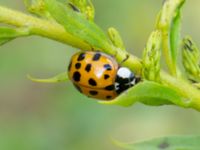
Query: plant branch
40, 27
191, 94
55, 31
197, 85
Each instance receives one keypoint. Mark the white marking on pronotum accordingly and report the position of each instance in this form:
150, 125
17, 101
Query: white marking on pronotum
124, 72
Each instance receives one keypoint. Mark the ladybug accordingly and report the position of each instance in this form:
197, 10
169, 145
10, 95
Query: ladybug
98, 75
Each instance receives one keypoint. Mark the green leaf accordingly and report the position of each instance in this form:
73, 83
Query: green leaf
175, 37
8, 34
116, 38
164, 143
58, 78
76, 24
149, 93
169, 22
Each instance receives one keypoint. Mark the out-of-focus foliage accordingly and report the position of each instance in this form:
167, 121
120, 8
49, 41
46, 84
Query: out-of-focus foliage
167, 143
38, 116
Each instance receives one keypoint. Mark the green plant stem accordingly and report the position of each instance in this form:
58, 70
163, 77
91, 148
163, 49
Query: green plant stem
40, 27
56, 32
197, 85
185, 89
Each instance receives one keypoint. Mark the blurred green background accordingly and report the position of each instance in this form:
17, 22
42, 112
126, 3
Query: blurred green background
36, 116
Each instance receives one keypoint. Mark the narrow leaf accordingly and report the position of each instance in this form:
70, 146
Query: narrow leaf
116, 38
8, 34
169, 23
76, 24
175, 37
58, 78
149, 93
164, 143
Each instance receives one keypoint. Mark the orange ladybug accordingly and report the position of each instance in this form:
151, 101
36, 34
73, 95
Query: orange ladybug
98, 75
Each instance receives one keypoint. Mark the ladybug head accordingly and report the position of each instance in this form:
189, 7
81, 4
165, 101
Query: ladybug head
124, 79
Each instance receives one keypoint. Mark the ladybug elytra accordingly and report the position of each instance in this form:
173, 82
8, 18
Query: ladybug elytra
98, 75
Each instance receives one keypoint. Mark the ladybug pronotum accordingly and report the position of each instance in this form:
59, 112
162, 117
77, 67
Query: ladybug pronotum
98, 75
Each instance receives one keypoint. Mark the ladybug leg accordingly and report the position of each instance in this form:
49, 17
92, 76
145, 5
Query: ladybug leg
114, 55
125, 59
138, 79
92, 49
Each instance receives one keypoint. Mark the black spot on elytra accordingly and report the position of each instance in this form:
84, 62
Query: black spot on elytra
69, 67
93, 92
108, 97
92, 82
78, 65
81, 56
76, 76
110, 87
88, 67
163, 145
96, 57
106, 76
107, 67
78, 88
